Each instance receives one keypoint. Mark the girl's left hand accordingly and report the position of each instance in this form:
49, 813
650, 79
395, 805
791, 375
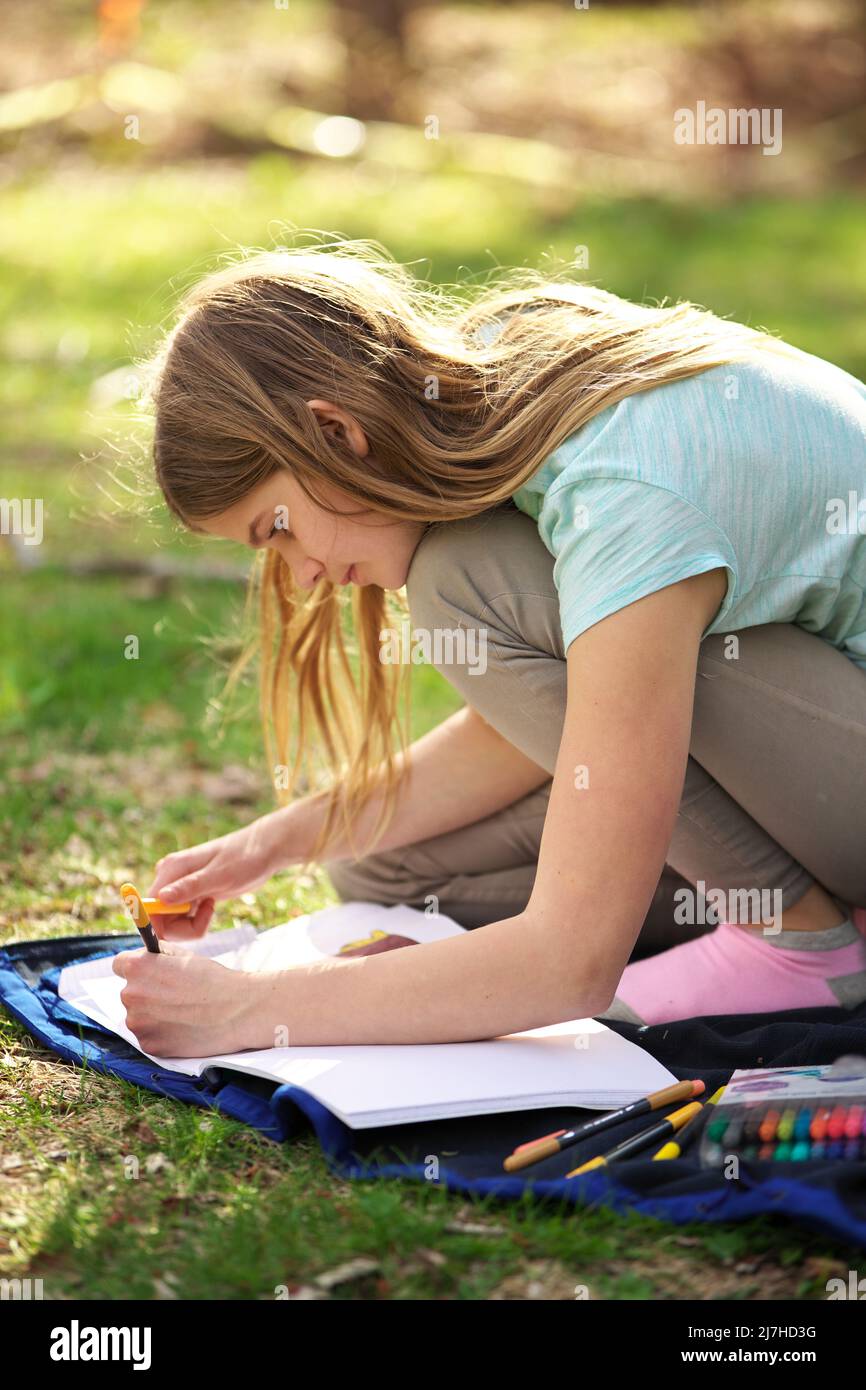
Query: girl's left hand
180, 1004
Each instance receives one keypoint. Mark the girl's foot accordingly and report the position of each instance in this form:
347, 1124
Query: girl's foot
744, 970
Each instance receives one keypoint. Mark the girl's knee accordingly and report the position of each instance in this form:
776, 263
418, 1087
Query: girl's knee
430, 584
380, 878
359, 880
459, 565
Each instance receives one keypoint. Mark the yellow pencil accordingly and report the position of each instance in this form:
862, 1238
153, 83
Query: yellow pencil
660, 1130
537, 1149
674, 1147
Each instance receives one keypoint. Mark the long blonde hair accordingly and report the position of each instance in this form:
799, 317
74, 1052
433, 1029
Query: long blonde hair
457, 419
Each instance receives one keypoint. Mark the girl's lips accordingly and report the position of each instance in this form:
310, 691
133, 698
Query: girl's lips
349, 576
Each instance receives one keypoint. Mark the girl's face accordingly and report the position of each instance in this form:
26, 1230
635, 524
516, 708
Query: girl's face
353, 547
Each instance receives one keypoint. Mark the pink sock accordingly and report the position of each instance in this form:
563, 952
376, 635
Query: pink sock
741, 970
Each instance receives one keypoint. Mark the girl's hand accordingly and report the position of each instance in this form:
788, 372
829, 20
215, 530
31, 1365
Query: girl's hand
179, 1004
221, 868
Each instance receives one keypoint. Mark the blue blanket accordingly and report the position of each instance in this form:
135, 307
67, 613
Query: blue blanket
466, 1155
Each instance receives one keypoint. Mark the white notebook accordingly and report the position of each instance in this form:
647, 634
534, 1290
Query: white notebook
582, 1063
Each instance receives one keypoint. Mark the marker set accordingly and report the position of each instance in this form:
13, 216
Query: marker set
790, 1115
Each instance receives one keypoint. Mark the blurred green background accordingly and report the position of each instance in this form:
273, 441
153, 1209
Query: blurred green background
141, 140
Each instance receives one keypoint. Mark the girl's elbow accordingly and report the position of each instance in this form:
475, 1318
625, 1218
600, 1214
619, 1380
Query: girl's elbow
595, 988
583, 981
586, 994
598, 1002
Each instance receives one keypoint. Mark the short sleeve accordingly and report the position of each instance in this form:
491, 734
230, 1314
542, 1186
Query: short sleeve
615, 541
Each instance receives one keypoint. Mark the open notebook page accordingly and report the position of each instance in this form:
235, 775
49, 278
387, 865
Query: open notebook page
581, 1063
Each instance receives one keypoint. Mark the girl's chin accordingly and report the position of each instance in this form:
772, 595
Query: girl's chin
387, 576
395, 580
367, 574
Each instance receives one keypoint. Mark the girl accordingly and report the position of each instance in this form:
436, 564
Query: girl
633, 539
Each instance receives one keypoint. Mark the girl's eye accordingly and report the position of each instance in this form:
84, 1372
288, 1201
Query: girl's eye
275, 528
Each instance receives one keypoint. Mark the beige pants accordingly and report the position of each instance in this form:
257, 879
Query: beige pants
775, 789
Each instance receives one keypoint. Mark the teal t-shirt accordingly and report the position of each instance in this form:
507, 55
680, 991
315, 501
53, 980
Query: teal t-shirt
758, 466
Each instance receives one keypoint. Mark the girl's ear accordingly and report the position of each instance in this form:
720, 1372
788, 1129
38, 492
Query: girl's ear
339, 424
333, 428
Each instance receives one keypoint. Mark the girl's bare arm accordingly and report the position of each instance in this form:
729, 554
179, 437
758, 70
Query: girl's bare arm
460, 772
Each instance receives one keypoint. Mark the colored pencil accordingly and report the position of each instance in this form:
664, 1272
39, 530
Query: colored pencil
660, 1130
537, 1149
689, 1133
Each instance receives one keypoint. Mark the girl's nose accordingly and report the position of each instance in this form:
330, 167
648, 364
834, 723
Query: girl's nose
309, 572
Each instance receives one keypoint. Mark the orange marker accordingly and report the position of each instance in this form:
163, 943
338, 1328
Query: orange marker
557, 1134
161, 909
820, 1121
767, 1127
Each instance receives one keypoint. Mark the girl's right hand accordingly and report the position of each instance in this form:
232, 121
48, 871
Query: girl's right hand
221, 868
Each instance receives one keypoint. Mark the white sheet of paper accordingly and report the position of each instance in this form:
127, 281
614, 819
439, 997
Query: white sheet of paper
581, 1063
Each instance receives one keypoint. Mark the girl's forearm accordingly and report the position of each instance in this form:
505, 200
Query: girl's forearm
460, 772
512, 975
